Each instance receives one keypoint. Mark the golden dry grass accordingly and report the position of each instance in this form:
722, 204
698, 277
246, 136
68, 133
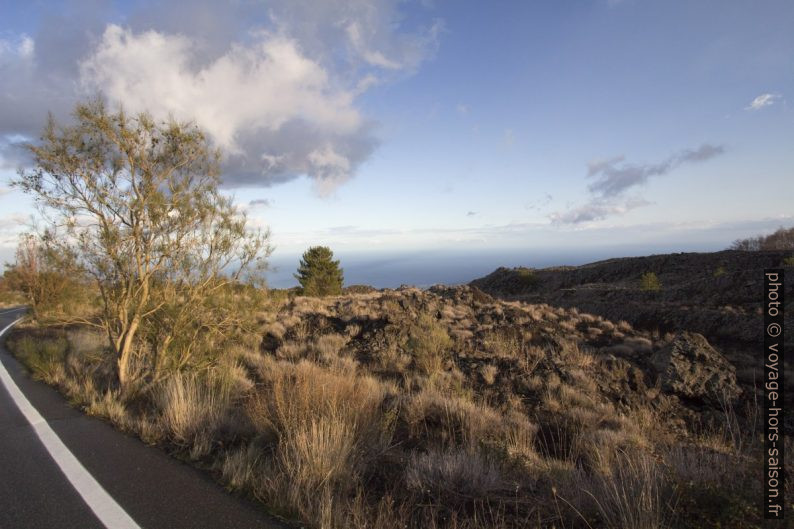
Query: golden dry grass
401, 409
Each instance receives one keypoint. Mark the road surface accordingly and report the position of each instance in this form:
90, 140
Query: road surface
60, 468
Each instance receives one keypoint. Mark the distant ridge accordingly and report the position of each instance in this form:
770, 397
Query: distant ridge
716, 294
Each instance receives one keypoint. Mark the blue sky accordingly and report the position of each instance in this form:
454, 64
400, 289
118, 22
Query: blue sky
378, 126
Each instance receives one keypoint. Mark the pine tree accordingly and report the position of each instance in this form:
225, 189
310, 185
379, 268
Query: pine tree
318, 274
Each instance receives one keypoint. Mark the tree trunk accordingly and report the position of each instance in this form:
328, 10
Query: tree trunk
125, 353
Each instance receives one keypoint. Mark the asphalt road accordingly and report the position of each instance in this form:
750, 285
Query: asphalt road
155, 490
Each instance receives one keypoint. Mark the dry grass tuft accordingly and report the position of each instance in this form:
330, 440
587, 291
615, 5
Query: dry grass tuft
454, 477
636, 495
430, 409
429, 344
192, 407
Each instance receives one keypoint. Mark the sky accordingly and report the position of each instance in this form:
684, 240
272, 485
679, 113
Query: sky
382, 127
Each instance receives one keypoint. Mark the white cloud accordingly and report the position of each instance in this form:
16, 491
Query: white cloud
14, 221
371, 56
275, 86
331, 168
22, 48
260, 86
10, 228
764, 100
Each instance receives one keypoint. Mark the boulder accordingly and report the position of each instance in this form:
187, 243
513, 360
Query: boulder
692, 369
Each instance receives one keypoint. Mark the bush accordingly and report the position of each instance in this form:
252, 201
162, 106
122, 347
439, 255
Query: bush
649, 282
782, 239
192, 407
44, 279
526, 278
318, 273
44, 357
429, 344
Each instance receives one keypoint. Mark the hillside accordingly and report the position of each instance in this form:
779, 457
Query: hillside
715, 294
445, 408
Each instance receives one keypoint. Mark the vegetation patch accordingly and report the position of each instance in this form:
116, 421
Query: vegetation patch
398, 421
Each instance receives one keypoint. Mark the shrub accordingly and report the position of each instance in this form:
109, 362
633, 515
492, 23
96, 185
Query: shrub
782, 239
649, 282
318, 273
788, 261
720, 271
636, 494
451, 477
157, 257
429, 343
44, 279
328, 429
526, 278
44, 357
192, 408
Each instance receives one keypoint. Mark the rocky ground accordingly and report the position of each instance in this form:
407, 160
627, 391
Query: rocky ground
490, 343
718, 295
558, 398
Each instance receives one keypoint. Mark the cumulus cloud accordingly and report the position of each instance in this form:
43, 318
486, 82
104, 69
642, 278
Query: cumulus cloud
764, 100
614, 176
259, 202
471, 213
39, 73
275, 87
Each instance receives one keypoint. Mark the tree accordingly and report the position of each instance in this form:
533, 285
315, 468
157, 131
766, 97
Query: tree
318, 274
782, 239
136, 202
649, 282
43, 277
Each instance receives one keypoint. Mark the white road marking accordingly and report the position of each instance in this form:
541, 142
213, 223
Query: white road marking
6, 311
104, 506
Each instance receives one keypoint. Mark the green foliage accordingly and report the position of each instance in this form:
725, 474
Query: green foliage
649, 282
720, 271
43, 356
318, 273
788, 261
9, 294
189, 333
526, 277
46, 280
156, 236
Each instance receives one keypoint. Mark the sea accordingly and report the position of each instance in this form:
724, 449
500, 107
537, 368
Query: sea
424, 269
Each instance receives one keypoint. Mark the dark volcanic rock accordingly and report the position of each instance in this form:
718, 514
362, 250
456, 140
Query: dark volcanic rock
717, 294
692, 369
